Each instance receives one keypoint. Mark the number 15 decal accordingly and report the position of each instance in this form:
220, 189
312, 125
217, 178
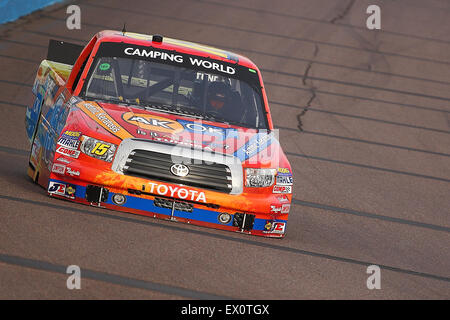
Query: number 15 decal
100, 148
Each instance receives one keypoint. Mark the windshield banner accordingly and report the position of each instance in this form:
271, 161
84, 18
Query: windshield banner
229, 69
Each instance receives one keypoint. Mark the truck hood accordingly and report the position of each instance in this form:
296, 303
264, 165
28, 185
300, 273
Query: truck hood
150, 124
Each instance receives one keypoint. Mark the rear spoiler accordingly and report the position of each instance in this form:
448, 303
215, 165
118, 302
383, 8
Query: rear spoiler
63, 52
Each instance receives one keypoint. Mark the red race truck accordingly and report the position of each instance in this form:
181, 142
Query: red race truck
159, 127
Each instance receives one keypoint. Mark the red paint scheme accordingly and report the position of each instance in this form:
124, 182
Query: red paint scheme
86, 170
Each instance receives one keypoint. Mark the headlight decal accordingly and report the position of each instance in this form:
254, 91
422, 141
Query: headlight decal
259, 178
98, 149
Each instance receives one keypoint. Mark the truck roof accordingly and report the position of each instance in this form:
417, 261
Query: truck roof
175, 44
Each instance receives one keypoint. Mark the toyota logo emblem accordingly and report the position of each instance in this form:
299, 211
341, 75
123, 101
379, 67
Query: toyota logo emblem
179, 170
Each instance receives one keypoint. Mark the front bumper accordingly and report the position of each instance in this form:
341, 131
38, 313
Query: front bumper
209, 214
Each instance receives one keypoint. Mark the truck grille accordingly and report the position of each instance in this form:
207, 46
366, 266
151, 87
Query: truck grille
157, 166
168, 204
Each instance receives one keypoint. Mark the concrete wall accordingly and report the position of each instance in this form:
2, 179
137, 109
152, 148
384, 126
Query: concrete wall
11, 10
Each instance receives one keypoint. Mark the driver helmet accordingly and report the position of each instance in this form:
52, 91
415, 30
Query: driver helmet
217, 94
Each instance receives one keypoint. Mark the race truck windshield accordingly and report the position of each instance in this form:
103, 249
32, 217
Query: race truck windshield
191, 85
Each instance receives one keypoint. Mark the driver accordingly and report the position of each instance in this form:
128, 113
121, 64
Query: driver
219, 101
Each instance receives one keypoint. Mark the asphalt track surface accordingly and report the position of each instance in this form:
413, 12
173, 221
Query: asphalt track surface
364, 118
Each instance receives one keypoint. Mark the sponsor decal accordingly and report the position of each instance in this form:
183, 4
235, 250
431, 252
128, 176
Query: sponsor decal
275, 208
152, 122
63, 160
181, 43
285, 180
284, 172
68, 152
268, 225
57, 188
185, 60
285, 208
181, 193
166, 56
282, 189
101, 117
255, 145
212, 65
154, 54
72, 172
70, 191
74, 135
274, 227
260, 141
69, 143
283, 199
104, 66
107, 122
199, 127
58, 168
61, 189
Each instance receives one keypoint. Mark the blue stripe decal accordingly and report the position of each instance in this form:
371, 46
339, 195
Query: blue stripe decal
255, 145
147, 205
